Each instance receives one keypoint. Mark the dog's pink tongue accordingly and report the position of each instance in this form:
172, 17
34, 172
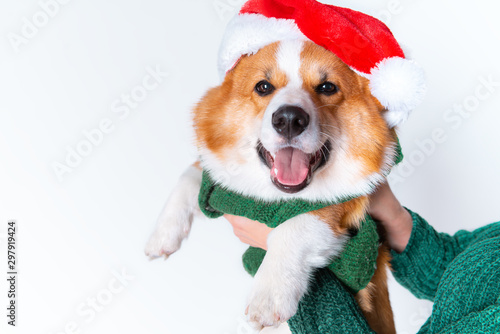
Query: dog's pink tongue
291, 166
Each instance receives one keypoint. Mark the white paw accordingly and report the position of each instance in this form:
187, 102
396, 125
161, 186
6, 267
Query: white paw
272, 302
168, 236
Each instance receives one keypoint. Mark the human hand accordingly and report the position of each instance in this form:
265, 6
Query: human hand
386, 209
249, 231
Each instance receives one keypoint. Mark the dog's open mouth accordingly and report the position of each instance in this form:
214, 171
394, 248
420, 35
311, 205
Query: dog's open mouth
291, 168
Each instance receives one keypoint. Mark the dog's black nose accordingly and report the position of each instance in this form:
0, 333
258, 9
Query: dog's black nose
290, 121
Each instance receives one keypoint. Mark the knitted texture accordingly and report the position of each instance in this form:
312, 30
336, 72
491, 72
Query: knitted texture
454, 310
460, 273
428, 254
358, 260
466, 297
215, 200
323, 309
354, 267
328, 308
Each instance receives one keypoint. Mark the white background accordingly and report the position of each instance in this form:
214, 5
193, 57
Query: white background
75, 234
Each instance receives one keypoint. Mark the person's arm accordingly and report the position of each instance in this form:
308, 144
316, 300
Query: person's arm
396, 220
420, 255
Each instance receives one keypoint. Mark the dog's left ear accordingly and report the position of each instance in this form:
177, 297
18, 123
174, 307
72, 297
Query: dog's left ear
399, 85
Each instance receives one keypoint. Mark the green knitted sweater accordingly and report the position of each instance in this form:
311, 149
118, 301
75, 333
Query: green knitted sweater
348, 273
460, 274
354, 267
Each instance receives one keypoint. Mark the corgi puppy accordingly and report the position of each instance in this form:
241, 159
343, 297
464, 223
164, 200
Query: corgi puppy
296, 122
306, 111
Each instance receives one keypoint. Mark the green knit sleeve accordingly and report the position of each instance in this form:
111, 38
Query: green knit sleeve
482, 321
468, 297
328, 308
420, 266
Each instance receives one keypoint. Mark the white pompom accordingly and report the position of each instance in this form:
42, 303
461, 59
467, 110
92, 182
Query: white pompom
399, 85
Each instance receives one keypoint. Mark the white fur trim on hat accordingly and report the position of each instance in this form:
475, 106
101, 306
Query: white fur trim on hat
247, 33
399, 85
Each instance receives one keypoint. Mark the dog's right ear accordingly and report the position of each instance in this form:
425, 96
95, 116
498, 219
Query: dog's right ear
210, 131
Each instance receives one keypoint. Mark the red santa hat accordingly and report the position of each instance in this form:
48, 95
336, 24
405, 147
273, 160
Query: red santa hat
363, 42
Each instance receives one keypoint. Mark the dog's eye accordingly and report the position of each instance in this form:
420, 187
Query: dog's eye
264, 88
327, 88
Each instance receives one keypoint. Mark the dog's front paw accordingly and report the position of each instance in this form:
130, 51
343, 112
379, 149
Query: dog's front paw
168, 236
272, 304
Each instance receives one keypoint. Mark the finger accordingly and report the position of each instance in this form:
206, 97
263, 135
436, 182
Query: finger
241, 222
230, 218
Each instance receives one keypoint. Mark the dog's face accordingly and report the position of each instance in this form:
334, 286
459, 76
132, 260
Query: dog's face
293, 120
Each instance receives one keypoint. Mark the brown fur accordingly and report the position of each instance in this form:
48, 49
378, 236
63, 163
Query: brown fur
375, 302
374, 299
227, 112
366, 145
344, 216
217, 126
197, 165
